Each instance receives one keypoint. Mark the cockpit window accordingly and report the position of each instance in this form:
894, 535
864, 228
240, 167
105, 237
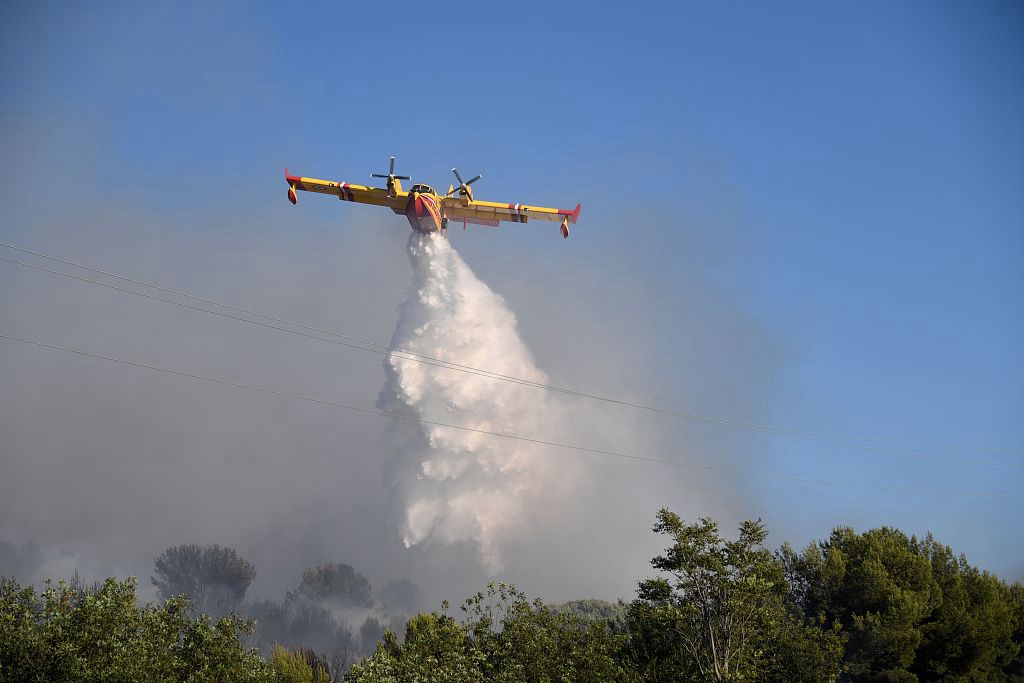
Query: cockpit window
423, 189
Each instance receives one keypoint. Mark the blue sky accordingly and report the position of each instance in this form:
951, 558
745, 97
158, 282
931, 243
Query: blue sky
836, 187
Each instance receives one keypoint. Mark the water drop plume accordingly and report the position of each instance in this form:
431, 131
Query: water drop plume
461, 486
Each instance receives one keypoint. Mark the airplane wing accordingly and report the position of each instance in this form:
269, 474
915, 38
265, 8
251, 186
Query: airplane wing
346, 192
490, 213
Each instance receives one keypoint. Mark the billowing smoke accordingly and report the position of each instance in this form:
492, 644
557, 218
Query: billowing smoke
457, 485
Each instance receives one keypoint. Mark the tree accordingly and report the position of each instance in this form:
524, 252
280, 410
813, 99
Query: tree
720, 614
299, 622
504, 638
1014, 669
913, 609
337, 583
969, 633
298, 666
289, 666
520, 640
318, 665
800, 651
215, 578
592, 609
105, 636
879, 590
655, 651
436, 649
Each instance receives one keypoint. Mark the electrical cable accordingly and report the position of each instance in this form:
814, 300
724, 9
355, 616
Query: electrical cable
384, 350
515, 437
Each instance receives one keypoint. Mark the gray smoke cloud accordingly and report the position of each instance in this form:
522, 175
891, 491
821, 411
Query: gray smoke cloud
113, 464
105, 466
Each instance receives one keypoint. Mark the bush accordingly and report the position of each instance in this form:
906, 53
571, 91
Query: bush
66, 635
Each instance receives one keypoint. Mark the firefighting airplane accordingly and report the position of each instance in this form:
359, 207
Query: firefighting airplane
426, 210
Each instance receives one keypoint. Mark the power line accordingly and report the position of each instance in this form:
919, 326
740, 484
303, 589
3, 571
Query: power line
841, 440
354, 343
515, 437
380, 349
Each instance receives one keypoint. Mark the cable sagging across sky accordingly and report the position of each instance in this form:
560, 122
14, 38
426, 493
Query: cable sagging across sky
554, 444
843, 441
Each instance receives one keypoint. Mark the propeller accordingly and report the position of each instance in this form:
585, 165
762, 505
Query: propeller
464, 185
390, 175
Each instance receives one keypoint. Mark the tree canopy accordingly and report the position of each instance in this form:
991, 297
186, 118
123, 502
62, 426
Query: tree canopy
872, 606
65, 635
719, 612
336, 582
912, 609
215, 578
503, 637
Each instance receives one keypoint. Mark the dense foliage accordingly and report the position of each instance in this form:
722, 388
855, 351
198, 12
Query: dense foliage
298, 666
912, 609
503, 637
66, 635
874, 606
719, 613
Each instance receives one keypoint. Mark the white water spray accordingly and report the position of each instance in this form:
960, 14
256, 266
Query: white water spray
468, 486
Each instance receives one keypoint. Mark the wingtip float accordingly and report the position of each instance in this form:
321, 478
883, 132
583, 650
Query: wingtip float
426, 210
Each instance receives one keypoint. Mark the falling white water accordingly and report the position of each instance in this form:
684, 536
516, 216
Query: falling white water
468, 486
